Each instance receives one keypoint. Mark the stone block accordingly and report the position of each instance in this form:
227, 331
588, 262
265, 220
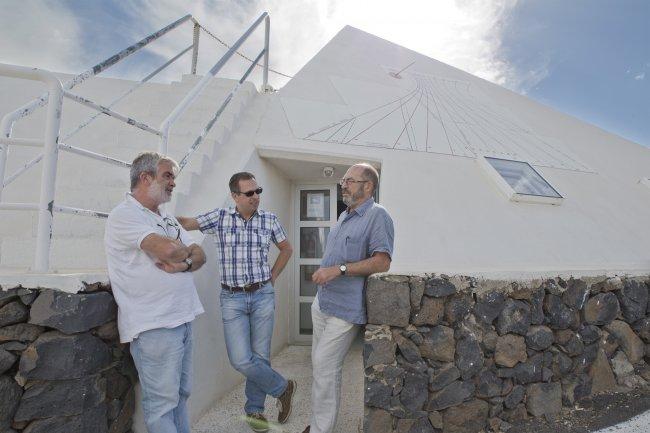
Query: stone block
388, 303
13, 312
7, 360
72, 313
93, 420
470, 417
443, 377
452, 395
414, 391
633, 299
544, 399
20, 332
61, 398
417, 285
431, 312
602, 376
539, 337
514, 318
601, 309
377, 421
642, 329
7, 296
10, 393
630, 343
407, 348
56, 356
439, 287
468, 357
576, 294
378, 352
515, 397
439, 344
488, 306
124, 420
559, 315
510, 349
458, 307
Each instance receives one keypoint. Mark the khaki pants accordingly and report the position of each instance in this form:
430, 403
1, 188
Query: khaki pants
330, 343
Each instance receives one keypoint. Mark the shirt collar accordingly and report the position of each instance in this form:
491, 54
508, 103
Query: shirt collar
133, 200
363, 207
234, 212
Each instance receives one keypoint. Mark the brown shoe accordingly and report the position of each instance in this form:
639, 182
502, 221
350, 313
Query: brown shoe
284, 402
307, 429
257, 422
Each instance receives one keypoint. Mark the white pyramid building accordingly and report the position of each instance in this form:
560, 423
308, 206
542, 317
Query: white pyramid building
478, 179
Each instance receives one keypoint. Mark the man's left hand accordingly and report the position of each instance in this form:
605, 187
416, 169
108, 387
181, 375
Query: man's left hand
171, 267
323, 275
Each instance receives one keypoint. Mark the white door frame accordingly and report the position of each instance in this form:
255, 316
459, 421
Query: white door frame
295, 299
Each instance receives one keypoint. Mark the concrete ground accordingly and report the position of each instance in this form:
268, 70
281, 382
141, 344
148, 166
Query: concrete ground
638, 424
293, 362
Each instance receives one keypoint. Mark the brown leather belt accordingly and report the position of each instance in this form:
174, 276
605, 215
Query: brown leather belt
249, 288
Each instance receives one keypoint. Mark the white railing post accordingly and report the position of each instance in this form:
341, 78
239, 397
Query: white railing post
195, 47
267, 33
48, 178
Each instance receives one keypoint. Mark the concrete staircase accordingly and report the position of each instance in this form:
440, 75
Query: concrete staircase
77, 242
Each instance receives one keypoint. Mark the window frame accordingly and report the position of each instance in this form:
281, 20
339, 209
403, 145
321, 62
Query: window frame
509, 192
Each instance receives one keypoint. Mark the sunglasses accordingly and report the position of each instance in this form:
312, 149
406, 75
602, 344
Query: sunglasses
257, 191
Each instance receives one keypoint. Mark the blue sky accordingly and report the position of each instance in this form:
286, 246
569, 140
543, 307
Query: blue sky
597, 53
587, 58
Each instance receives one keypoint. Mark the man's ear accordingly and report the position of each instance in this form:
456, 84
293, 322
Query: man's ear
144, 176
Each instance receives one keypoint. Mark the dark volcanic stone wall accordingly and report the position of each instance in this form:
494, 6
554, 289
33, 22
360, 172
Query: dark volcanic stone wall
62, 369
460, 355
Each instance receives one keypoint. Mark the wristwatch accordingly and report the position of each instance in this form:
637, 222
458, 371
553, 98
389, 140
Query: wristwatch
343, 268
189, 264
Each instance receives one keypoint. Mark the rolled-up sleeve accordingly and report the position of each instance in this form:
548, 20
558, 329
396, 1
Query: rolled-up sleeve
277, 231
382, 234
209, 221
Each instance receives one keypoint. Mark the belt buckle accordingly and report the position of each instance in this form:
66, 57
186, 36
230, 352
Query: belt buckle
247, 286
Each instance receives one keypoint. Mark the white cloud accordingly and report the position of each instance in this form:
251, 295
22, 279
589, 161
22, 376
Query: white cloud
466, 34
40, 34
640, 76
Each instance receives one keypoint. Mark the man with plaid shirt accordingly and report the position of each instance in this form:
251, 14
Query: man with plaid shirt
243, 235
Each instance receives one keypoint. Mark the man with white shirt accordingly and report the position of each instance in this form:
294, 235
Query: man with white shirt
150, 259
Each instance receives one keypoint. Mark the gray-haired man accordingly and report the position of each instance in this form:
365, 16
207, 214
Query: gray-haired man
360, 244
150, 259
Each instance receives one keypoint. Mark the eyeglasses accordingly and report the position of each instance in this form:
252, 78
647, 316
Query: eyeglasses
172, 225
345, 180
257, 191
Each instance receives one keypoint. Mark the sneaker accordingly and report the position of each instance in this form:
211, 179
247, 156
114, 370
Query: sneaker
307, 429
257, 422
284, 402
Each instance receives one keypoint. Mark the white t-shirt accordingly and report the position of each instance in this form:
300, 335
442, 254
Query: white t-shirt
147, 297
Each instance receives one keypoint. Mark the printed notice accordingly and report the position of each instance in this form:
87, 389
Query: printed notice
315, 205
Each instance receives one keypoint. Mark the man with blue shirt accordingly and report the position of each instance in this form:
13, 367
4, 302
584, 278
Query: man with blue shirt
243, 235
360, 244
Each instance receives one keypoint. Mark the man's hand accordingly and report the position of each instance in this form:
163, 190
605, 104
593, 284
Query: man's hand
323, 275
172, 268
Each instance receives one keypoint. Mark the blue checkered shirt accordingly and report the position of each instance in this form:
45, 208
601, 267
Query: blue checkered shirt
243, 246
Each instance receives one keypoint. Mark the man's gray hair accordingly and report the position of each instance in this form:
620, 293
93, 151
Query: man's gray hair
148, 162
369, 173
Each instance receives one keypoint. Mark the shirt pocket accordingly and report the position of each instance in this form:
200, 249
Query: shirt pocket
261, 240
353, 249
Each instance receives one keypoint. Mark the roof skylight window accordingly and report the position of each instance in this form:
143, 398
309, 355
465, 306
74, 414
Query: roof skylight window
520, 181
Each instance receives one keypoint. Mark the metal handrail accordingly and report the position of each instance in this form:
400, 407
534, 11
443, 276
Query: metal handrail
48, 179
54, 99
191, 96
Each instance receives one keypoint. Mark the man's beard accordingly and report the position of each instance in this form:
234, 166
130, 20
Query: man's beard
158, 194
349, 200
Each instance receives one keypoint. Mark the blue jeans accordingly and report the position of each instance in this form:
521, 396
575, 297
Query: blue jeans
248, 327
163, 358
